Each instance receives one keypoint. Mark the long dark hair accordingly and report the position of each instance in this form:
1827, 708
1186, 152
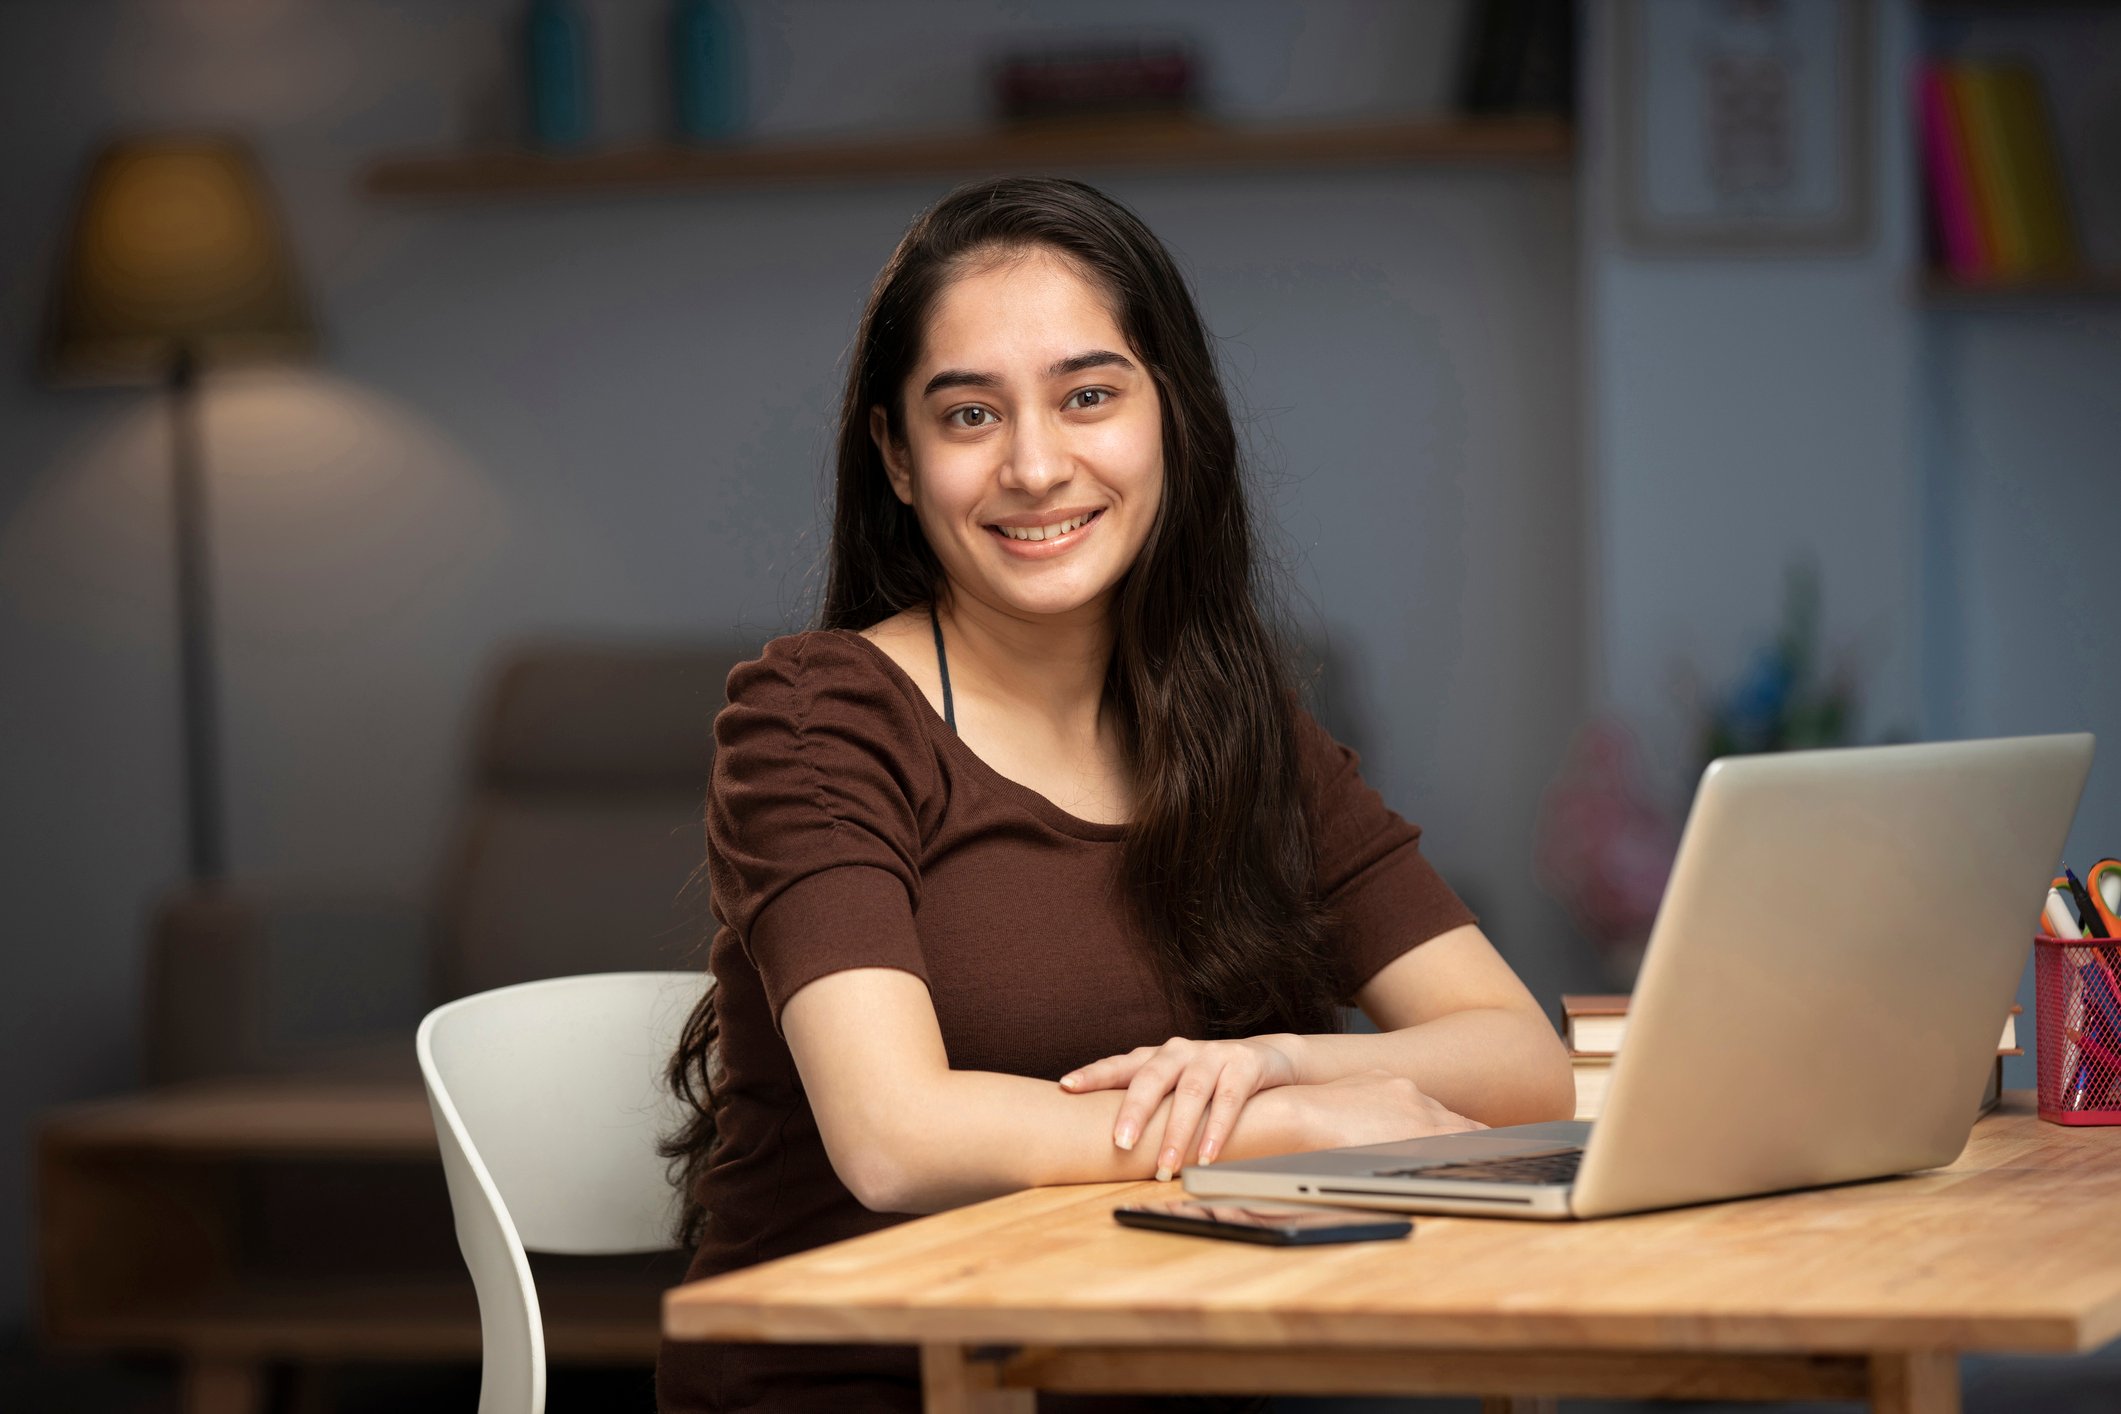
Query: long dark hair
1219, 857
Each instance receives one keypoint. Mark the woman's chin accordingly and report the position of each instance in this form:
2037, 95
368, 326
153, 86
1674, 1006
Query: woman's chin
1056, 601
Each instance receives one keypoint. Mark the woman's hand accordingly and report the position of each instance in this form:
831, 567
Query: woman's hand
1211, 1078
1369, 1107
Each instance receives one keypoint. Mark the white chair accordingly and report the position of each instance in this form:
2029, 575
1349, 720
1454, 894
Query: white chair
549, 1099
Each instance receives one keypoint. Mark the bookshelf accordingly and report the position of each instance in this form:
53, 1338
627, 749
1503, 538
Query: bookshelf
2028, 194
1168, 144
1939, 288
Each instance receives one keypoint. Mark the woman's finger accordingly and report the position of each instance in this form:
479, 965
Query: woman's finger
1108, 1074
1190, 1094
1144, 1093
1231, 1092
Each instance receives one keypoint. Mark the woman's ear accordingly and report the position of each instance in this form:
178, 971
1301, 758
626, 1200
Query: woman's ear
898, 465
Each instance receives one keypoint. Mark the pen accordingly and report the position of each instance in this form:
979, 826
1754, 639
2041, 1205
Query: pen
2059, 922
2087, 915
2091, 1043
2102, 1005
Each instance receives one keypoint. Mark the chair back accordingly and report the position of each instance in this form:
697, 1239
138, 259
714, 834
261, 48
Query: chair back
579, 836
548, 1100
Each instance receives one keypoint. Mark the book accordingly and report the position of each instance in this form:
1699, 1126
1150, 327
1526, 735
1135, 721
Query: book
1947, 168
1518, 56
1593, 1023
1592, 1074
2036, 170
1996, 179
1096, 80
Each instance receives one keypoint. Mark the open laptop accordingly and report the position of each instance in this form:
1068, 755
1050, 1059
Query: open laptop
1835, 953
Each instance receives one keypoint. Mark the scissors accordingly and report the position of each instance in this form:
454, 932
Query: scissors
2102, 882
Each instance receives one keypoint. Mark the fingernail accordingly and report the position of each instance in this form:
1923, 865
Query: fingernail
1071, 1080
1125, 1138
1165, 1162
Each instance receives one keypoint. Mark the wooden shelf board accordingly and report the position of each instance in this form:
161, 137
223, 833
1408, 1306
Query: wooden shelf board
410, 1317
254, 1119
1165, 143
1939, 288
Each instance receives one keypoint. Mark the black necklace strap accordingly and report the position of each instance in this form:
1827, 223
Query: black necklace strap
942, 663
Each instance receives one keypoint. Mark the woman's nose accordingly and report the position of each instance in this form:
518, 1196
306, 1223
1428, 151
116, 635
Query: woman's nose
1038, 459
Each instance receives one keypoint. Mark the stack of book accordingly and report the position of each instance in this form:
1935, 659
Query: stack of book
1594, 1024
1997, 202
1518, 56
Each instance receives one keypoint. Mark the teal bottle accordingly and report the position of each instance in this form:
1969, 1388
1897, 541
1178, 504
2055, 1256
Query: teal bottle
706, 71
556, 42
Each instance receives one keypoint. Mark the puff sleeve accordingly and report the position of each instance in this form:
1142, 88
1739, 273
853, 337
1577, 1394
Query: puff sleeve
814, 814
1384, 896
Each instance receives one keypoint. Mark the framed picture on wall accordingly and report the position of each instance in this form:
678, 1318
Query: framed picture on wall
1743, 126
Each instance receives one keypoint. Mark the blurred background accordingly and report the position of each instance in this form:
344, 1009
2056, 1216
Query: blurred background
1623, 382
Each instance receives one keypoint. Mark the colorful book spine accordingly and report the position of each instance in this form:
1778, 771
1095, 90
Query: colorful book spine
1996, 191
1948, 166
2036, 169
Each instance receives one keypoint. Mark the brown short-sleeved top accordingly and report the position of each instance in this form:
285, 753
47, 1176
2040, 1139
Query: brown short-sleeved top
848, 826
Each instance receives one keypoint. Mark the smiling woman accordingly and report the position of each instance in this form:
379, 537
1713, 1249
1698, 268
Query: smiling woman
1029, 852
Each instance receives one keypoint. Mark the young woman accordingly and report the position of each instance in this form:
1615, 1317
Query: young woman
1029, 866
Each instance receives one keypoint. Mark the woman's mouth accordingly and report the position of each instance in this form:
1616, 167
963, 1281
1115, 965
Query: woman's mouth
1047, 537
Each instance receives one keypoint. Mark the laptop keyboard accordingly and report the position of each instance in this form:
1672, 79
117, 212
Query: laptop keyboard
1526, 1168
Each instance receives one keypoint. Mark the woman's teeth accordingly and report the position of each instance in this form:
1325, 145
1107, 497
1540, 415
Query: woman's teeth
1045, 532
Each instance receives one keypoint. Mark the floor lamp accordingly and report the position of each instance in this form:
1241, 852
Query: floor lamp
177, 261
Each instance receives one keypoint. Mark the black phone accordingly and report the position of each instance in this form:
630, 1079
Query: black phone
1277, 1227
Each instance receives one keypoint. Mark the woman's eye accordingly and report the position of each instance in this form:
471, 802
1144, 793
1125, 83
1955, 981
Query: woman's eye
971, 417
1090, 397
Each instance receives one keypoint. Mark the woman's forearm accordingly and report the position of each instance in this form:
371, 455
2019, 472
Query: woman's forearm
986, 1134
1497, 1065
971, 1135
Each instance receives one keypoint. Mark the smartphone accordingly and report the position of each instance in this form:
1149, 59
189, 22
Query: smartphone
1277, 1227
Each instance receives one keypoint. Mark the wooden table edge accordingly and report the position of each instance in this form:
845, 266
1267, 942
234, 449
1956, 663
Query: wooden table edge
685, 1318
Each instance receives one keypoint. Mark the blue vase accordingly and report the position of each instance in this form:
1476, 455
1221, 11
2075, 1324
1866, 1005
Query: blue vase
707, 70
557, 48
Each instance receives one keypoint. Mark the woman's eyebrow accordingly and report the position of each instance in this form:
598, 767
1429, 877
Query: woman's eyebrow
1096, 358
967, 378
960, 378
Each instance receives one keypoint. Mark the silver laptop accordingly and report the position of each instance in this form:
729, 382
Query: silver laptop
1831, 963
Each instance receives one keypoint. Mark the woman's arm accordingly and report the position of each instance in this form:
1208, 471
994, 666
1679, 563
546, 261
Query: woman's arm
1454, 1018
907, 1134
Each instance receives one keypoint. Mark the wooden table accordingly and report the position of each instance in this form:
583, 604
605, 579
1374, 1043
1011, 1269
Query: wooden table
1869, 1291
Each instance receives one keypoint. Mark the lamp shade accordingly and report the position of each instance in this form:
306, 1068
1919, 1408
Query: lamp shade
176, 252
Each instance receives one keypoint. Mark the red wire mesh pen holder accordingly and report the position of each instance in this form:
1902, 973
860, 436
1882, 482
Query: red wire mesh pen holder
2077, 1016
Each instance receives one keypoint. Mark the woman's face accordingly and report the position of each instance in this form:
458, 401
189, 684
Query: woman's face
1033, 450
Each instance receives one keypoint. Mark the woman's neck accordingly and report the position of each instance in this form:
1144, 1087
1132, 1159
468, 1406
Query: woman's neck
1054, 668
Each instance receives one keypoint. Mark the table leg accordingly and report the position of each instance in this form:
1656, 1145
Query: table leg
217, 1385
1915, 1382
954, 1382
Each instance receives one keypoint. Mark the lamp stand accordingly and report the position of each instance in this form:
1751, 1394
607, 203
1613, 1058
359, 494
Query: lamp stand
204, 846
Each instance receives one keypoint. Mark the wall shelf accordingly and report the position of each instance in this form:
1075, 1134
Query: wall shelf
1938, 288
1172, 144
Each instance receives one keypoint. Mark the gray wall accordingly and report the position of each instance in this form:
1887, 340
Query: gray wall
609, 416
2019, 437
1748, 413
1944, 466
